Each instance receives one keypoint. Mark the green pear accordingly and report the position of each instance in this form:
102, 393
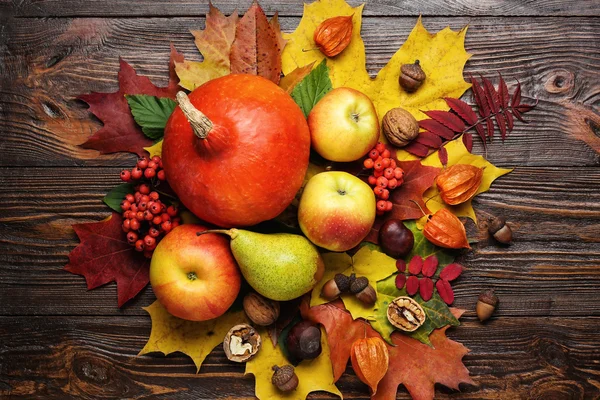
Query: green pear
279, 266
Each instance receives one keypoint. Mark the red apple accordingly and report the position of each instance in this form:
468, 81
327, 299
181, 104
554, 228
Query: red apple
336, 210
194, 277
343, 125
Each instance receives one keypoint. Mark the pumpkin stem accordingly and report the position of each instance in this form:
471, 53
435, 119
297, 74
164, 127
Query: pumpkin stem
200, 122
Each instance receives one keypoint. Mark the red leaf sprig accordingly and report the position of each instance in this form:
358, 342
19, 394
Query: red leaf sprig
424, 285
492, 104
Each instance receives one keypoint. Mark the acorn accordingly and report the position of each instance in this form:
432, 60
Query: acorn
363, 291
411, 76
336, 286
486, 304
284, 378
500, 231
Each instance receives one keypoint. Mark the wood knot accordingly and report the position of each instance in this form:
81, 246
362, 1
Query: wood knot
552, 353
560, 81
556, 389
594, 126
92, 371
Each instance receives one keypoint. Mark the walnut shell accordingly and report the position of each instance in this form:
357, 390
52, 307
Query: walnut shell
399, 127
405, 314
241, 343
260, 310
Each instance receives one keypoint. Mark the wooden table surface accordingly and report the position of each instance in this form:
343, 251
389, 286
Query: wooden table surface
57, 340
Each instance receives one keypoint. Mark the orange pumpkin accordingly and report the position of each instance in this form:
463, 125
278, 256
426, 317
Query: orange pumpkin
238, 154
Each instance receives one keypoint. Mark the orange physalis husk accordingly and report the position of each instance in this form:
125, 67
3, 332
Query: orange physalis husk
333, 35
444, 229
459, 183
370, 360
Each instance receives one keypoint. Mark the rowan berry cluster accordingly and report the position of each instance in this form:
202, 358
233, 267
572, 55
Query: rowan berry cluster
146, 219
386, 176
424, 285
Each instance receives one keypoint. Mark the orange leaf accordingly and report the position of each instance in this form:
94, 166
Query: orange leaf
258, 45
289, 82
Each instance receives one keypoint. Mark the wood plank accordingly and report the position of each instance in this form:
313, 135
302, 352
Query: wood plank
87, 358
556, 60
179, 8
553, 263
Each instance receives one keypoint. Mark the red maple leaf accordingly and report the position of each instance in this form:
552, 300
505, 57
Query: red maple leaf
104, 256
415, 365
120, 132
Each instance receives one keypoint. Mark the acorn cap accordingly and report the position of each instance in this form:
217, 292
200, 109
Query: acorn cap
496, 224
359, 284
489, 297
343, 282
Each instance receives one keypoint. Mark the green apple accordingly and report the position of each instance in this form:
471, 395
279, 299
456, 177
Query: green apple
343, 125
336, 210
194, 277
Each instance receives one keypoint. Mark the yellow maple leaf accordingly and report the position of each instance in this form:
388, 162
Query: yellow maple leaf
313, 375
214, 42
458, 154
155, 149
367, 262
195, 339
442, 58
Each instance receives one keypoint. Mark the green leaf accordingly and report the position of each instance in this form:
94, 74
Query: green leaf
312, 88
114, 198
151, 113
438, 313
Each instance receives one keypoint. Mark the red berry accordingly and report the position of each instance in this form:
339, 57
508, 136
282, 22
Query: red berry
176, 219
148, 216
157, 220
133, 208
379, 212
175, 224
157, 159
126, 225
144, 199
148, 253
134, 224
398, 173
382, 181
149, 173
125, 176
165, 217
380, 147
139, 245
153, 232
126, 214
377, 174
385, 194
139, 216
142, 205
172, 211
372, 180
386, 162
374, 154
392, 163
163, 207
152, 165
388, 173
132, 237
149, 249
144, 188
154, 196
136, 173
161, 175
380, 205
142, 163
386, 154
368, 163
130, 198
392, 183
125, 205
378, 190
149, 241
137, 196
388, 206
378, 165
166, 226
155, 208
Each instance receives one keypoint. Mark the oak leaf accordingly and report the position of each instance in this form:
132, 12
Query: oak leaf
442, 57
214, 43
367, 262
313, 375
257, 46
104, 256
120, 132
458, 154
196, 339
415, 365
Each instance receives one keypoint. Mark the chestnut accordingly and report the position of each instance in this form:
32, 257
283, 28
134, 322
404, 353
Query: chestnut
395, 239
304, 341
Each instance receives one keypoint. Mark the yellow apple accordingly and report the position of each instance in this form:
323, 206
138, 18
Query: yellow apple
194, 277
336, 210
343, 125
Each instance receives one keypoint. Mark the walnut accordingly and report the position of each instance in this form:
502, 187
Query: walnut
405, 314
399, 127
241, 343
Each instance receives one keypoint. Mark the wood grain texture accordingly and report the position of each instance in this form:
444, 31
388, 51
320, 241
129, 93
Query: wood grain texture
90, 358
556, 60
179, 8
